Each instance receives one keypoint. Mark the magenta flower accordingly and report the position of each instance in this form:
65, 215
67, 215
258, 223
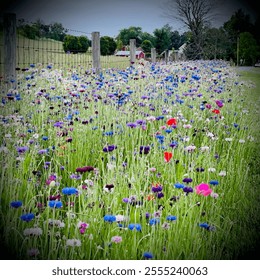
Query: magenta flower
219, 103
203, 189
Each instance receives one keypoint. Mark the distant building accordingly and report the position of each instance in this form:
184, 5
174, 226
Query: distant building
180, 52
138, 54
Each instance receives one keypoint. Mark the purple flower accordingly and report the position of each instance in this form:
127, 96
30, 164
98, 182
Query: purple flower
21, 150
157, 188
58, 124
126, 200
109, 148
131, 125
160, 195
188, 190
43, 151
144, 150
187, 180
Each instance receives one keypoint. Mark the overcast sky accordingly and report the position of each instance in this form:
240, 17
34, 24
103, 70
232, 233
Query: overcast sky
109, 16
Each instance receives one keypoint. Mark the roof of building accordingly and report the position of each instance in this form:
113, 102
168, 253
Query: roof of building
127, 53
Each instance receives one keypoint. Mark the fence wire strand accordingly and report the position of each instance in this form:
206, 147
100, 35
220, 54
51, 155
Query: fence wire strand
46, 51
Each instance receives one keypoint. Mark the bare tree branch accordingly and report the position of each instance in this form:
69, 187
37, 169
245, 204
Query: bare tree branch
195, 14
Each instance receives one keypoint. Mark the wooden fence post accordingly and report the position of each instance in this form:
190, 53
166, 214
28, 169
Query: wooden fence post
96, 52
132, 51
166, 56
9, 31
153, 55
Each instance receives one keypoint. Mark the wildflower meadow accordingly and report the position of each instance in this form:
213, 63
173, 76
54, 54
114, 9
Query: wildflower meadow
154, 161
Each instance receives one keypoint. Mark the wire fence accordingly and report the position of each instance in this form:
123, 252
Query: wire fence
45, 51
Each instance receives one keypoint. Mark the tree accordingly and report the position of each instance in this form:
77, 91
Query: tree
84, 43
216, 44
146, 46
130, 33
119, 44
107, 45
248, 48
75, 44
163, 38
38, 29
238, 23
57, 31
195, 14
148, 36
177, 40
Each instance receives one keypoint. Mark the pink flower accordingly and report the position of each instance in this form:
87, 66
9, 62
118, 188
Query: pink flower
116, 239
203, 189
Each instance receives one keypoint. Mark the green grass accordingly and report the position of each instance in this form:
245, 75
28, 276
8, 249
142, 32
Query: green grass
234, 214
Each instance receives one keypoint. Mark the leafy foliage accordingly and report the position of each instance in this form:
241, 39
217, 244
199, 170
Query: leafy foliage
130, 33
38, 29
146, 46
249, 50
75, 44
107, 45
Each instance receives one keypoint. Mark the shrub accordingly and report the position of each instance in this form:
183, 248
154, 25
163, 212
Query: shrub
75, 44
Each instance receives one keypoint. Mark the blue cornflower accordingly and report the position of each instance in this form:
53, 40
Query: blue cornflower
204, 225
148, 255
138, 227
154, 221
55, 204
160, 138
16, 204
214, 182
109, 218
171, 218
69, 191
179, 186
27, 217
108, 133
45, 138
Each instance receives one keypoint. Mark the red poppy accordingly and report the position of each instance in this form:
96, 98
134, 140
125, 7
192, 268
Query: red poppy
167, 156
216, 111
172, 121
